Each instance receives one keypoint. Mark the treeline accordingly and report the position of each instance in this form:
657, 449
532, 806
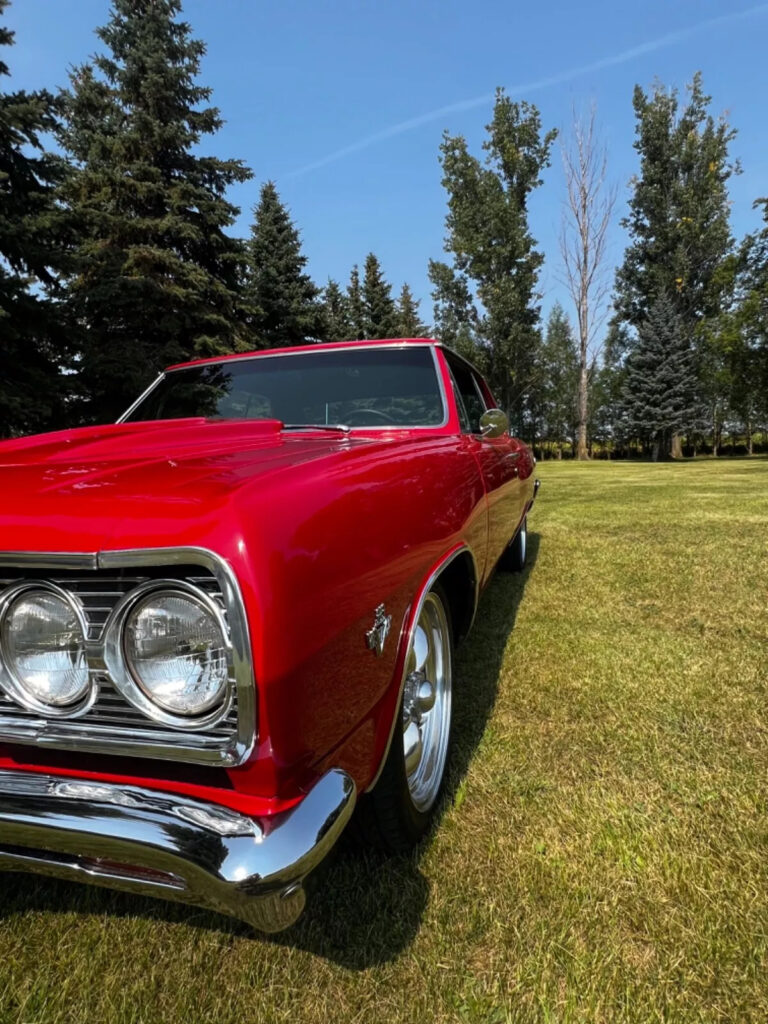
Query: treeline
117, 258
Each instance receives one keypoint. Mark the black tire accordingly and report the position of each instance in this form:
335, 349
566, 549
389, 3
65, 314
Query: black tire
513, 559
388, 817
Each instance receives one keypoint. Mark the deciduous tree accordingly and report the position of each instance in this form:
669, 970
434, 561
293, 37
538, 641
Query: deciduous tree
678, 220
493, 250
586, 219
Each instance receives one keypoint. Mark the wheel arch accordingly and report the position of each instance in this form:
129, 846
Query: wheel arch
457, 572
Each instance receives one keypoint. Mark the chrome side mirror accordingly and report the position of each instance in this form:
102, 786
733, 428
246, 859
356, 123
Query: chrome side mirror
493, 423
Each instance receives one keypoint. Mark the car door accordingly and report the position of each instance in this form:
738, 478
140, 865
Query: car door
497, 458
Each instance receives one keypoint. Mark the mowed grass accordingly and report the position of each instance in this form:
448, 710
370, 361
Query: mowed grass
603, 848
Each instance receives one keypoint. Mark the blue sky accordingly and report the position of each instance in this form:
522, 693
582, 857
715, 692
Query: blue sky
343, 102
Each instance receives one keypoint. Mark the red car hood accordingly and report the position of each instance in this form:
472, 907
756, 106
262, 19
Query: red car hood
82, 489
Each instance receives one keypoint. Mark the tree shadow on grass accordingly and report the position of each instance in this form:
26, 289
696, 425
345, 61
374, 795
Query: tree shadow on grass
365, 907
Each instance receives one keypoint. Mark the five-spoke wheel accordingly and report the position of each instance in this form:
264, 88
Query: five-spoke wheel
397, 813
427, 703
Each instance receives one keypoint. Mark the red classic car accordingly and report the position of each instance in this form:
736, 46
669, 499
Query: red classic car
227, 620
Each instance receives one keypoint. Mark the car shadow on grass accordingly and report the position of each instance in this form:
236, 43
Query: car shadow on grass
365, 907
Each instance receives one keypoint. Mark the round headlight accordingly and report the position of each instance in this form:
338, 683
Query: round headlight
176, 652
44, 648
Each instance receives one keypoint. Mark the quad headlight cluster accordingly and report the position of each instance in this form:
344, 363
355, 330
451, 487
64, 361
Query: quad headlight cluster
165, 648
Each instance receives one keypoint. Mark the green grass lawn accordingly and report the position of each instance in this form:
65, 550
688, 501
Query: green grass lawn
603, 850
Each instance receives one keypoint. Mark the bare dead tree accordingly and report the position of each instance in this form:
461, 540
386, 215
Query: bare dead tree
587, 213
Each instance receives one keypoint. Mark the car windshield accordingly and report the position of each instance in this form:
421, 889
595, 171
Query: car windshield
357, 387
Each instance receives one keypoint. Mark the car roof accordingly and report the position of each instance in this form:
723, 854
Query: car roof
318, 346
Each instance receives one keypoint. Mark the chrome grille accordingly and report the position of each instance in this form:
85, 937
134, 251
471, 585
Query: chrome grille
113, 724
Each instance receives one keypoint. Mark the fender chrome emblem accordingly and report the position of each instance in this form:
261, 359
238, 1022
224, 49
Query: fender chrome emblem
376, 637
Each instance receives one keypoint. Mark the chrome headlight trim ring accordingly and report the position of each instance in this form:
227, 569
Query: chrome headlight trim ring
10, 682
117, 662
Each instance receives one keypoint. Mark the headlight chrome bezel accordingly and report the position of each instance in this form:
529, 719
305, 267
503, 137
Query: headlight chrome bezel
11, 682
117, 660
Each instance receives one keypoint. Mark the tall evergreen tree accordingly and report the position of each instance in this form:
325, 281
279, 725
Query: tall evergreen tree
33, 338
380, 311
659, 398
492, 247
409, 324
156, 276
559, 363
286, 302
678, 219
336, 323
356, 306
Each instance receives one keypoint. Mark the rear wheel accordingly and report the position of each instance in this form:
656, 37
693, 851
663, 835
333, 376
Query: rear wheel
397, 813
513, 559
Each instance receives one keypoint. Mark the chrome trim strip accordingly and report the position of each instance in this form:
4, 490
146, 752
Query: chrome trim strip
174, 847
48, 560
337, 346
441, 566
142, 396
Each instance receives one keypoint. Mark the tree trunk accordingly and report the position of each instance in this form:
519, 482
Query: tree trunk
715, 433
581, 441
677, 446
750, 446
656, 449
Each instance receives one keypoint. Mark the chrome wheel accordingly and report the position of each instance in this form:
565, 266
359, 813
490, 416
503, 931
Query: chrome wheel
523, 533
427, 703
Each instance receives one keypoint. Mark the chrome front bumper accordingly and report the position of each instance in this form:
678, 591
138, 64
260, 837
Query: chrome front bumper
173, 847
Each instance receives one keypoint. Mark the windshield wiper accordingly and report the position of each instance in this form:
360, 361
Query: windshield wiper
317, 426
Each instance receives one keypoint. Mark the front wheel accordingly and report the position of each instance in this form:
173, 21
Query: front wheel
397, 813
516, 552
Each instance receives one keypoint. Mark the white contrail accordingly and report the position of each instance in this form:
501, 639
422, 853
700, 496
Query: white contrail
528, 87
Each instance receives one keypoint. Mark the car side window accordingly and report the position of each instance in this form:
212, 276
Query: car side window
468, 396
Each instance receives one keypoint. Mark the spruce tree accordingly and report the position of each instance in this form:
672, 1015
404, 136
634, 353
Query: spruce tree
33, 335
493, 250
659, 399
380, 310
336, 326
156, 277
356, 306
559, 363
409, 324
287, 303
